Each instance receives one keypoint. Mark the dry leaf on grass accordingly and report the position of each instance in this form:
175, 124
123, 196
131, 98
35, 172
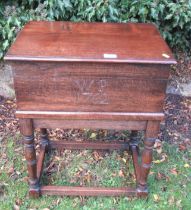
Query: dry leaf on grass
174, 171
158, 146
97, 156
156, 198
171, 200
151, 172
186, 165
16, 207
121, 174
164, 157
93, 135
11, 170
178, 203
161, 176
124, 160
182, 147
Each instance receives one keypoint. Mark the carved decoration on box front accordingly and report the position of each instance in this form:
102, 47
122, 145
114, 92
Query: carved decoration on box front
90, 91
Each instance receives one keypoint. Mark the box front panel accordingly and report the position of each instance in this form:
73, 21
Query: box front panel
90, 87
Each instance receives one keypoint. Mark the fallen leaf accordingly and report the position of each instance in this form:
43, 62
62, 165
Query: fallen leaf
171, 200
88, 177
161, 176
18, 202
156, 198
58, 201
18, 172
16, 207
156, 161
159, 150
9, 102
182, 147
174, 171
93, 135
157, 144
121, 174
178, 203
57, 158
164, 156
186, 165
124, 160
151, 172
96, 156
18, 149
11, 170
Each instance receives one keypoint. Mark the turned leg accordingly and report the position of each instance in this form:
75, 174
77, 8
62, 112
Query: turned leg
150, 136
26, 128
44, 141
134, 148
44, 148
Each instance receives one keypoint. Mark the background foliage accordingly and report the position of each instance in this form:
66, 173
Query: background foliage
173, 18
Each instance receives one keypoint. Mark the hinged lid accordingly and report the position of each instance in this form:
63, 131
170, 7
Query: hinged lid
96, 42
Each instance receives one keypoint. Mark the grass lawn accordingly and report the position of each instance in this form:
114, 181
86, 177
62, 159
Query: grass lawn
169, 180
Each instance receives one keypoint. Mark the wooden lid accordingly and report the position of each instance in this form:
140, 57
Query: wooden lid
95, 42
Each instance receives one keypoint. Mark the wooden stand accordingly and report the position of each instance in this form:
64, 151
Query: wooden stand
35, 168
89, 75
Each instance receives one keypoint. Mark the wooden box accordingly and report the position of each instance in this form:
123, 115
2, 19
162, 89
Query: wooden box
94, 75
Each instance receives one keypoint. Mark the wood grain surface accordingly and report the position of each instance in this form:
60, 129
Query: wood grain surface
90, 87
96, 42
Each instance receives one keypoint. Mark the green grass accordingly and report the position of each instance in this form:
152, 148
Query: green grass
169, 181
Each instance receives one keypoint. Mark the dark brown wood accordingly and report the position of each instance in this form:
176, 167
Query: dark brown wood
117, 116
90, 145
87, 191
74, 88
93, 124
135, 155
44, 148
26, 128
44, 141
89, 75
150, 136
90, 42
145, 166
134, 148
40, 161
152, 129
